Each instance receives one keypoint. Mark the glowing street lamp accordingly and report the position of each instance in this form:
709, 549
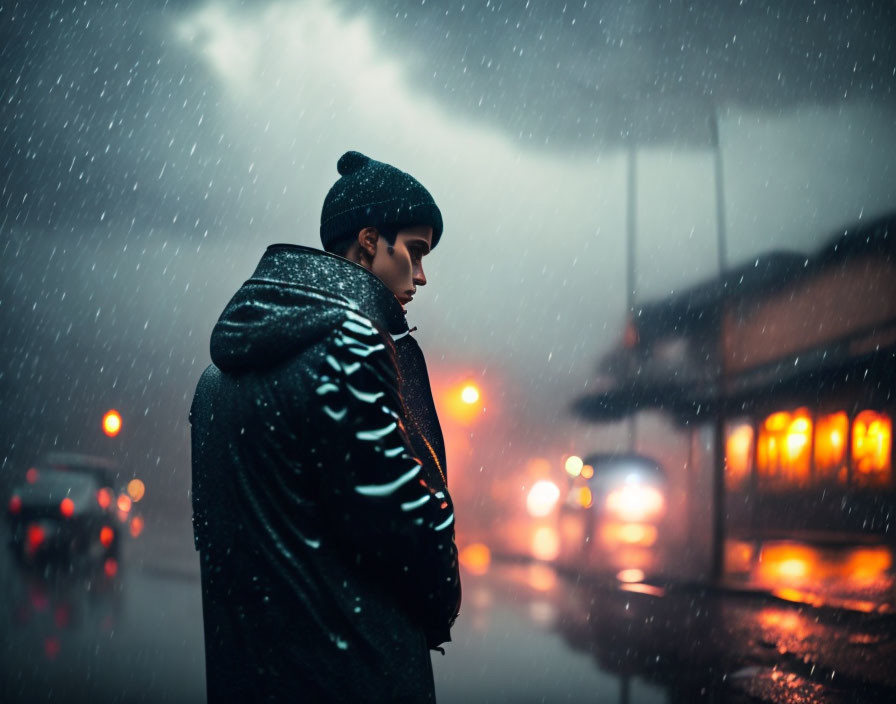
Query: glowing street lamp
469, 394
112, 423
464, 403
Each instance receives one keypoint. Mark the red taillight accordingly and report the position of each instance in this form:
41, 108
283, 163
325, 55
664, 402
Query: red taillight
67, 507
104, 498
124, 503
52, 647
136, 526
15, 503
110, 567
107, 535
34, 536
31, 475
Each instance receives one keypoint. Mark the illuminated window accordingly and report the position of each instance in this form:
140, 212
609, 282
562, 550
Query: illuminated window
783, 452
831, 437
738, 455
871, 450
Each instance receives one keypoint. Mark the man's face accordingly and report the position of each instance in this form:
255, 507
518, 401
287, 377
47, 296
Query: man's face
402, 269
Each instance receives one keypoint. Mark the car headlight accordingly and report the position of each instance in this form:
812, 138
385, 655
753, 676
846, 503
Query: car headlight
635, 503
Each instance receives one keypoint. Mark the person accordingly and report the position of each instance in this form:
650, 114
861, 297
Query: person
321, 511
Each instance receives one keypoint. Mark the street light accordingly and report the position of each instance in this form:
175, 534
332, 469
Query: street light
469, 394
464, 402
112, 423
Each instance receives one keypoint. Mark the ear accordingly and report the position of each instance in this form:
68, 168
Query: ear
367, 239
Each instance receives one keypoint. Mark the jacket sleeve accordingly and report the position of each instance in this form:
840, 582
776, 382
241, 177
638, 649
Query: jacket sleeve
376, 487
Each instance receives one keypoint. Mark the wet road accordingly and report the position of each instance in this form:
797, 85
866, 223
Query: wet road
526, 634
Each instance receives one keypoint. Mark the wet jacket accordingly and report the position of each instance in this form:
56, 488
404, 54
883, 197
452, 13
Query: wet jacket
320, 505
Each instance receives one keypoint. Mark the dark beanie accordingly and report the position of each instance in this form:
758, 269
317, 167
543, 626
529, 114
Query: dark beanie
373, 194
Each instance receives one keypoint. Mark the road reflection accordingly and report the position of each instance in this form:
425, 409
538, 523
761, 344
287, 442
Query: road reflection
528, 632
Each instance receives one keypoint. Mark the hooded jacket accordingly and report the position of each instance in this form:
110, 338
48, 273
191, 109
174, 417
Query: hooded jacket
320, 505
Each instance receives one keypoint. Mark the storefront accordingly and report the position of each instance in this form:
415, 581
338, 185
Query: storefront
793, 360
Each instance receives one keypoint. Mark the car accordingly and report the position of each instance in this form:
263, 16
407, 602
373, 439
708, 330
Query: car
614, 499
629, 493
64, 512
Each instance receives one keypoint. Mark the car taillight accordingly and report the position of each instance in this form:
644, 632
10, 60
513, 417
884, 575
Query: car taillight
67, 507
15, 503
124, 503
104, 498
31, 475
34, 536
107, 535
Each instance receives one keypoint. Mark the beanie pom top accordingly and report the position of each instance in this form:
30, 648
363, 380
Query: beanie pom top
350, 162
371, 193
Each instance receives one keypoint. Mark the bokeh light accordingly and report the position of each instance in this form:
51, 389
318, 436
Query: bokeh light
136, 489
112, 423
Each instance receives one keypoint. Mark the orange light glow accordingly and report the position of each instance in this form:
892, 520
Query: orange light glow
869, 563
587, 471
112, 423
871, 449
831, 432
573, 465
545, 543
469, 394
542, 578
538, 468
783, 451
738, 455
67, 507
136, 526
641, 534
630, 575
136, 490
788, 562
463, 402
739, 556
124, 503
107, 535
15, 503
31, 475
476, 558
801, 568
584, 497
110, 567
104, 498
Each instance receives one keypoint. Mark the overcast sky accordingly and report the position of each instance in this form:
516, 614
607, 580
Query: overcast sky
151, 153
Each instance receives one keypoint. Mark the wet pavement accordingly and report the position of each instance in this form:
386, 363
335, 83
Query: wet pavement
526, 634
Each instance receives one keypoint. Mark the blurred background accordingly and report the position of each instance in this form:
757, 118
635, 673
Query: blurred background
660, 325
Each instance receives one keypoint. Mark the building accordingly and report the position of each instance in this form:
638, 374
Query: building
792, 360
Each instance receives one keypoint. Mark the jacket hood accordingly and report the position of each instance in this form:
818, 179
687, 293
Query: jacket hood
296, 297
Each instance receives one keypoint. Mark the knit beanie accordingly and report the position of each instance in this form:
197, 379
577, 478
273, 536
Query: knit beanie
373, 194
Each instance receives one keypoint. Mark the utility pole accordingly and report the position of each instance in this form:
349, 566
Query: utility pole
717, 565
631, 224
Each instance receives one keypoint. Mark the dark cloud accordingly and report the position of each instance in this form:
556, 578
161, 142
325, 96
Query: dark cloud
574, 73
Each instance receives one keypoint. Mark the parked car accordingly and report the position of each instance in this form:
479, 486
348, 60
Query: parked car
614, 500
65, 511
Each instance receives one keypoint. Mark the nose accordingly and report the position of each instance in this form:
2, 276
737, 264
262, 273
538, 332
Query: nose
419, 276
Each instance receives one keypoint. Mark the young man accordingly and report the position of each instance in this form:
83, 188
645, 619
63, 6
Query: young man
320, 505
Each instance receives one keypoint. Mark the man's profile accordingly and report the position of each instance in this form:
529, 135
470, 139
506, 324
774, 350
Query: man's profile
320, 503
